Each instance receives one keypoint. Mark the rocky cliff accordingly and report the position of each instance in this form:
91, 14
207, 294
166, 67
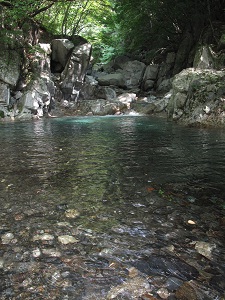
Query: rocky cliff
55, 75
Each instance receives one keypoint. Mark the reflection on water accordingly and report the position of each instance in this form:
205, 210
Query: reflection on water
112, 170
90, 160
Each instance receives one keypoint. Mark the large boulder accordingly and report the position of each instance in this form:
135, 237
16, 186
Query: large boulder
151, 104
37, 97
149, 77
105, 92
132, 72
10, 65
163, 83
116, 79
75, 71
198, 97
204, 58
61, 50
128, 75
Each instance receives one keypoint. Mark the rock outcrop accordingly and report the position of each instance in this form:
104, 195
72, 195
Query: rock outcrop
57, 74
198, 97
33, 79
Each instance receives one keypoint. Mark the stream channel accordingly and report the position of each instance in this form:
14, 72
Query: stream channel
116, 207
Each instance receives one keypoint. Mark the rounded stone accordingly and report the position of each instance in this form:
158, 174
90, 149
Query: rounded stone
67, 239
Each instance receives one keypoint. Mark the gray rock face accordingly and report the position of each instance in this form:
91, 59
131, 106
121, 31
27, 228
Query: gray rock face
68, 63
149, 77
61, 49
204, 58
128, 76
75, 70
10, 64
198, 97
132, 72
37, 96
4, 97
116, 79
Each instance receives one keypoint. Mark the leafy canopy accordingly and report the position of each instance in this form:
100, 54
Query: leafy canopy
116, 26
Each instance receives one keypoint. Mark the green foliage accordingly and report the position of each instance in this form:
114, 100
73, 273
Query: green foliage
115, 27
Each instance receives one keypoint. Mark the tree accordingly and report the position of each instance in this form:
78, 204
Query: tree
154, 24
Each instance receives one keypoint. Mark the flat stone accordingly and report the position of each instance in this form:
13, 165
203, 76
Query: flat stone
72, 213
204, 249
67, 239
51, 252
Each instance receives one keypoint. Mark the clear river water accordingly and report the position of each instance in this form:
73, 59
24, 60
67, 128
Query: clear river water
116, 207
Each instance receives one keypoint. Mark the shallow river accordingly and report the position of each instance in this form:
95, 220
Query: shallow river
118, 207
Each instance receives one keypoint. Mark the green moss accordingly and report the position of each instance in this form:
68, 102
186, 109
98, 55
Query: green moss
2, 115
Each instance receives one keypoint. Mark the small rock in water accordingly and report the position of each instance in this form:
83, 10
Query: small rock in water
51, 252
205, 249
193, 291
191, 199
43, 237
191, 222
36, 252
164, 265
64, 224
67, 239
62, 206
72, 213
163, 293
133, 288
7, 238
1, 263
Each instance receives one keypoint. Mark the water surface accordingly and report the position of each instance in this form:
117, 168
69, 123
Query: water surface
135, 181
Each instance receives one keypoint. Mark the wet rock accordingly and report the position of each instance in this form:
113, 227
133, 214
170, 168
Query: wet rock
147, 296
192, 290
43, 237
1, 263
163, 293
7, 238
173, 283
19, 217
62, 206
131, 289
67, 239
166, 265
72, 213
64, 224
218, 283
51, 252
205, 249
36, 252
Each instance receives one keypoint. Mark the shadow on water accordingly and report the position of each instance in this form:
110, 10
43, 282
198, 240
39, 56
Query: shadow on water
111, 208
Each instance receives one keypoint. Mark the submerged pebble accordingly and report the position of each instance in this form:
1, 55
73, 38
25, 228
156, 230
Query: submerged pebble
7, 238
72, 213
43, 237
205, 248
67, 239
